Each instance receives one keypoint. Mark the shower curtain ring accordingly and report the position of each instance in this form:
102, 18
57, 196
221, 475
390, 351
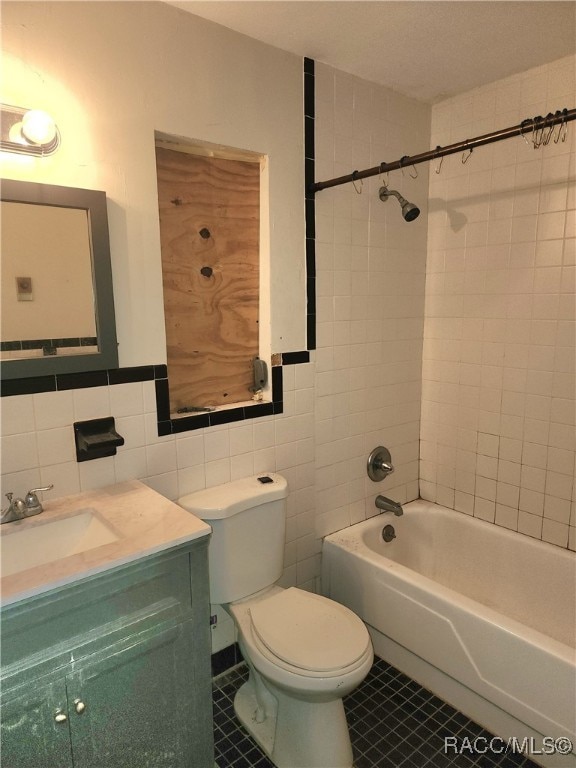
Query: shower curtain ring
564, 125
537, 131
384, 173
358, 191
402, 161
523, 125
439, 168
549, 128
468, 156
560, 125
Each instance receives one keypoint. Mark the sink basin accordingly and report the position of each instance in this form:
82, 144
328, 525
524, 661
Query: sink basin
26, 546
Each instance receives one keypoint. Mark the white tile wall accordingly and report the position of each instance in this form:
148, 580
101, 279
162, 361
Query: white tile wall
498, 431
370, 278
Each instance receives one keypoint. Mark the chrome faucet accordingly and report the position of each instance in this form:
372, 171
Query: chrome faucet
18, 508
387, 505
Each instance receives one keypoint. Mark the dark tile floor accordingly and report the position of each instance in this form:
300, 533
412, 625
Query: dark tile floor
394, 723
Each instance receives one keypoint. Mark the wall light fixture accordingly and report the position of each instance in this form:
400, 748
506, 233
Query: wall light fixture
27, 131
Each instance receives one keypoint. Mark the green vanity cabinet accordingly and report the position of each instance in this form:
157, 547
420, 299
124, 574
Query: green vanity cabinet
30, 738
112, 671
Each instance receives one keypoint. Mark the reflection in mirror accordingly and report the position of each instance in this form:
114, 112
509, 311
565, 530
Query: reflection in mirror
38, 264
57, 302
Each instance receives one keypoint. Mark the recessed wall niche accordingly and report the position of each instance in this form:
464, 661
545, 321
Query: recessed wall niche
209, 209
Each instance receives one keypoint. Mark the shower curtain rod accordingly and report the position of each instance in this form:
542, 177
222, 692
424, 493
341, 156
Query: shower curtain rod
526, 126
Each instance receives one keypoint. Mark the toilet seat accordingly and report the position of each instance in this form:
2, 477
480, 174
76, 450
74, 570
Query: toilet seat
308, 634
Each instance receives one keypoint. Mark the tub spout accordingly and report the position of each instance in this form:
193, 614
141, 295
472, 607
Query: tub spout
387, 505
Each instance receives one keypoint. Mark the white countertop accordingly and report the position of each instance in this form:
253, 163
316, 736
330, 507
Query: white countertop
143, 521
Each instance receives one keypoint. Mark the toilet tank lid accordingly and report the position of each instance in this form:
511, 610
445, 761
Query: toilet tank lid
228, 499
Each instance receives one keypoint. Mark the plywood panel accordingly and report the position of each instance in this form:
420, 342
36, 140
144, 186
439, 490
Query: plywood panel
209, 226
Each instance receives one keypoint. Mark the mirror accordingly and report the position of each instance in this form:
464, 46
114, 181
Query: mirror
57, 298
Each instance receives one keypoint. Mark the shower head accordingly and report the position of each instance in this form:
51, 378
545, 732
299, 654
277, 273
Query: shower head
409, 210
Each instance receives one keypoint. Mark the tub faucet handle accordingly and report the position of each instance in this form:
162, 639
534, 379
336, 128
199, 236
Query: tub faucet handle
379, 464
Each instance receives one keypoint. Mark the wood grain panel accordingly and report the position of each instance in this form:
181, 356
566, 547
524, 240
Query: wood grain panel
211, 284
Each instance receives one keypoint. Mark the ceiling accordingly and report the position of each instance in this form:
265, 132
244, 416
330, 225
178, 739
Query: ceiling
421, 48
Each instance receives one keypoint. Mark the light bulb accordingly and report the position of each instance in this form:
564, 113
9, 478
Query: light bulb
38, 127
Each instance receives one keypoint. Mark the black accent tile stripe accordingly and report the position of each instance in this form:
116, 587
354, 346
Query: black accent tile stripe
308, 94
226, 417
277, 384
162, 400
10, 346
309, 176
309, 137
129, 375
77, 341
261, 409
311, 307
293, 358
82, 380
310, 201
310, 219
310, 257
164, 428
160, 371
311, 330
31, 386
308, 66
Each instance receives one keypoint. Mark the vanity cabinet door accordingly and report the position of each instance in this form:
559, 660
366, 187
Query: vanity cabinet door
133, 706
34, 729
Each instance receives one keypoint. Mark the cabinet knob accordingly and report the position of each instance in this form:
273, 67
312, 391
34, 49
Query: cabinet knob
79, 706
60, 717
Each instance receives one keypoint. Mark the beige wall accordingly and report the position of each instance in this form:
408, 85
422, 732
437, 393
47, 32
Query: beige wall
112, 74
498, 410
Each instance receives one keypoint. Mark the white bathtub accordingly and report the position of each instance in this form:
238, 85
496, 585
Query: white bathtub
482, 616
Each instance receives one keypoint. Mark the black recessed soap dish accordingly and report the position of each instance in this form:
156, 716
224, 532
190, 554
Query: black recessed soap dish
96, 439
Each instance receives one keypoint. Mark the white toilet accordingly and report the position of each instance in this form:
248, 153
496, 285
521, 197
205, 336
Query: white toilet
304, 652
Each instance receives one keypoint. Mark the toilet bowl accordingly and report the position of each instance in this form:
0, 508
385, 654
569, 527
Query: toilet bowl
304, 651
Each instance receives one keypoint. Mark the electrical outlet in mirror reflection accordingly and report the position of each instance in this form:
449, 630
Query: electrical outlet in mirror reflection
24, 289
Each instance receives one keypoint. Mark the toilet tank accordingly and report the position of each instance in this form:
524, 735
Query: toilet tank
246, 552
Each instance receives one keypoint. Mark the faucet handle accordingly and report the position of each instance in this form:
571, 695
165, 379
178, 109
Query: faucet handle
37, 490
14, 503
32, 501
379, 464
14, 511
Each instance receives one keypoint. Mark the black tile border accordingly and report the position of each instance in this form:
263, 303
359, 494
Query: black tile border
52, 344
31, 386
310, 200
294, 358
167, 426
159, 374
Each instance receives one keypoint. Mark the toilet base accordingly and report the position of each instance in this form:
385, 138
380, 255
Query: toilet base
294, 733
